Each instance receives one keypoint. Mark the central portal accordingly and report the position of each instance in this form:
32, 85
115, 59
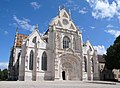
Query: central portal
69, 67
63, 75
67, 71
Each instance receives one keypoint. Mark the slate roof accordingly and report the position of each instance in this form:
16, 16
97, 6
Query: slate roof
101, 59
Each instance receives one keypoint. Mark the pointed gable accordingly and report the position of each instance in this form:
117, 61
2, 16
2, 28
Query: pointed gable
89, 45
71, 26
65, 15
59, 23
63, 20
35, 37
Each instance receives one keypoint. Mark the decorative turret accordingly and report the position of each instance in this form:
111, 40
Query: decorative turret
19, 38
16, 37
16, 30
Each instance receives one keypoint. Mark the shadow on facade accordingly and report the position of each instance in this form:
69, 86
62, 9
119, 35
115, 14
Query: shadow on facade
107, 75
104, 73
13, 76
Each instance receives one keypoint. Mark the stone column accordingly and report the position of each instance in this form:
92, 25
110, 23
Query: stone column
56, 57
81, 55
57, 69
60, 67
81, 68
34, 63
22, 63
96, 72
89, 66
67, 74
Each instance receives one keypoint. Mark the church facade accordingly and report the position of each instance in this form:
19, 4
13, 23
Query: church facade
60, 54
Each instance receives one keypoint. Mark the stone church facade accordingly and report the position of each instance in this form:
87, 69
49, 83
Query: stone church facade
60, 54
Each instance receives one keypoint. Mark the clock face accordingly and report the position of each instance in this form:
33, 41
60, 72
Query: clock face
65, 22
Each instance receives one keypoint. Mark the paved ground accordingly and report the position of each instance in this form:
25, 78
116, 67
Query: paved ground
58, 84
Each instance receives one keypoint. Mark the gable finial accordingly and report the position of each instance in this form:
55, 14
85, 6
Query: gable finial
63, 7
87, 38
36, 28
69, 12
59, 10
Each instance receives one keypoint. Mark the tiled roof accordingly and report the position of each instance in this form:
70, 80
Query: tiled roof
20, 38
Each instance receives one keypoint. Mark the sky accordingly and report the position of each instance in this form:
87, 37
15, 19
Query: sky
98, 20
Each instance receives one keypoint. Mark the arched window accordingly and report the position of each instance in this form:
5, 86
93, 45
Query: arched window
44, 61
90, 48
31, 60
18, 60
34, 39
85, 61
66, 42
19, 55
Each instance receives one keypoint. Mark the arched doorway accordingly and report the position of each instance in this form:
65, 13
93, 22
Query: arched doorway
63, 75
70, 67
67, 71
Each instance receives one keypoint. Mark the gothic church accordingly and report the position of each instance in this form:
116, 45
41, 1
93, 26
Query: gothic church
60, 54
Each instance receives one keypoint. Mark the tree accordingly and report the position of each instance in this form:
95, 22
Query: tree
112, 56
4, 74
0, 73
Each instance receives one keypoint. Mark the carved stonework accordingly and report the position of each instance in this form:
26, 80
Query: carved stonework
65, 51
58, 43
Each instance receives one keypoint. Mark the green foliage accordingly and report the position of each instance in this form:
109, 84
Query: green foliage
3, 74
113, 55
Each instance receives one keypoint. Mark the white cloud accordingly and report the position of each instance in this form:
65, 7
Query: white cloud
83, 11
100, 49
115, 33
71, 4
35, 5
81, 28
103, 9
92, 27
24, 23
109, 26
75, 6
5, 32
3, 65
